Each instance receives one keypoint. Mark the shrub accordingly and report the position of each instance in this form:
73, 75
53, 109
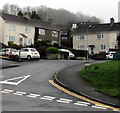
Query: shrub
52, 50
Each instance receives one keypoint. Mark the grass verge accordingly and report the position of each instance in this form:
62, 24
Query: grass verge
104, 77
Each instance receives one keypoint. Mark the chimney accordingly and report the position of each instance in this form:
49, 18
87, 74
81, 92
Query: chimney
112, 21
26, 16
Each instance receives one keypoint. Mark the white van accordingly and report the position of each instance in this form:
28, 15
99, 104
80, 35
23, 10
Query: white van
71, 55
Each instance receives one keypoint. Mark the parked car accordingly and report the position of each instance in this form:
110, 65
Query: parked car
109, 55
29, 53
71, 55
8, 51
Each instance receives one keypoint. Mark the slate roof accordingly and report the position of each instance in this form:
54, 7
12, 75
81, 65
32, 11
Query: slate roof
97, 28
31, 22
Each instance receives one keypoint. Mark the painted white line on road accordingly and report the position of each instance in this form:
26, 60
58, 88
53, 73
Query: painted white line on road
19, 93
4, 92
47, 98
33, 95
8, 90
62, 100
99, 107
20, 79
80, 104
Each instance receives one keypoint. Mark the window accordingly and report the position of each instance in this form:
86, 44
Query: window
81, 37
103, 47
42, 31
27, 29
12, 27
54, 33
64, 38
12, 38
29, 41
81, 47
100, 36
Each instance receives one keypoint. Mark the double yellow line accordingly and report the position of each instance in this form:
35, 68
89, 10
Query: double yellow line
81, 97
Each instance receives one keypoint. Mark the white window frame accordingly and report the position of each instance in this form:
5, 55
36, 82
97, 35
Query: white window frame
28, 29
11, 27
81, 37
102, 47
100, 36
55, 33
41, 31
9, 38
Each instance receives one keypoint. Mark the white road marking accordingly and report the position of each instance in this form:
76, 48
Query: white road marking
47, 98
64, 100
99, 107
83, 102
21, 79
19, 93
33, 95
1, 76
8, 90
4, 92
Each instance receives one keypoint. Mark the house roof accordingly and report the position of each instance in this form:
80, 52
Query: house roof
31, 22
92, 29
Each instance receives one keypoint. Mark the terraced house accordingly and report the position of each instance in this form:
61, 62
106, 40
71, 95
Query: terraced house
96, 38
21, 30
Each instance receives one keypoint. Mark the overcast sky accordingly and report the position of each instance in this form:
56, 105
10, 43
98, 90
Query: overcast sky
103, 9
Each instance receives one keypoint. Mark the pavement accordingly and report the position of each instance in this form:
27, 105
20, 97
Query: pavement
69, 78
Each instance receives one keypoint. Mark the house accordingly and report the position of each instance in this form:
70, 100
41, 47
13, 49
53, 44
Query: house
97, 37
65, 35
21, 30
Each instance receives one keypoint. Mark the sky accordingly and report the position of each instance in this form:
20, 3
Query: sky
103, 9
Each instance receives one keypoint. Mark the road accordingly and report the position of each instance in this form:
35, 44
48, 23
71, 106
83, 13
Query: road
27, 88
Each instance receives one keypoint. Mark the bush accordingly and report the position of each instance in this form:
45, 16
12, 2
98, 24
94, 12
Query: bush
11, 43
52, 50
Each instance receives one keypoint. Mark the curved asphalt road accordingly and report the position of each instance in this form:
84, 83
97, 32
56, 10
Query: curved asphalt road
27, 88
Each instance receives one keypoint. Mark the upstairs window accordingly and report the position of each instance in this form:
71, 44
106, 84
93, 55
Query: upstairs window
12, 27
81, 37
54, 33
28, 29
41, 31
100, 36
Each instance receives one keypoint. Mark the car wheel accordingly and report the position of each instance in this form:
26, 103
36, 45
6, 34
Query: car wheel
28, 57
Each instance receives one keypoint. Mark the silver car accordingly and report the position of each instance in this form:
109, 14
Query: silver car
8, 51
